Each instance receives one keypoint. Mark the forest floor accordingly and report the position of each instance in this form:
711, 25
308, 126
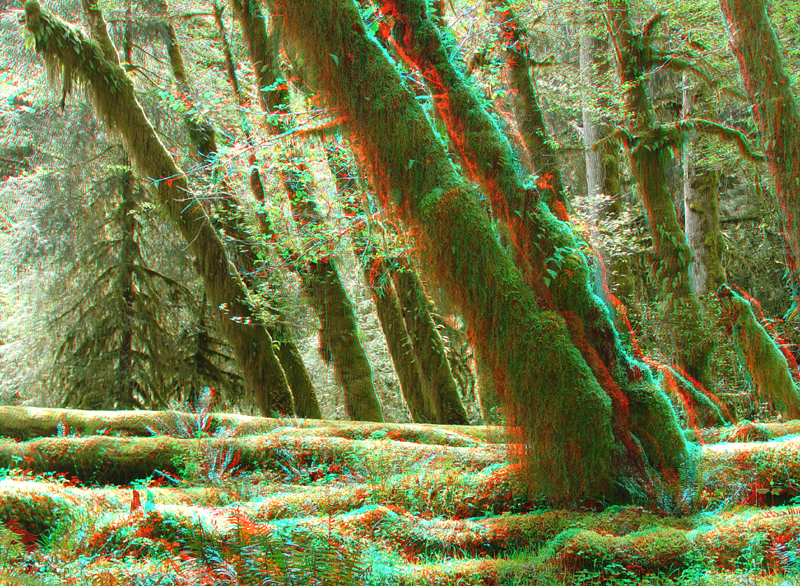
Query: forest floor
145, 498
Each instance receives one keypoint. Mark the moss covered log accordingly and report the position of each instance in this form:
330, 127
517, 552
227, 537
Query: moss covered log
71, 55
25, 423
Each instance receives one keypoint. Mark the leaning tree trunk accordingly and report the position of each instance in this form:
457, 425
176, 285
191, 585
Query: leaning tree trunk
563, 414
769, 89
231, 221
377, 277
772, 369
441, 401
68, 52
546, 251
340, 340
530, 118
671, 255
390, 315
429, 348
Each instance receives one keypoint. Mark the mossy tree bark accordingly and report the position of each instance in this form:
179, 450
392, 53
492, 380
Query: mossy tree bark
543, 379
648, 146
547, 253
431, 367
340, 340
769, 89
530, 118
701, 200
230, 220
772, 368
68, 52
377, 277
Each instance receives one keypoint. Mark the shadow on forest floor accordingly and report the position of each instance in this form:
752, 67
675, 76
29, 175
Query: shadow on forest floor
168, 498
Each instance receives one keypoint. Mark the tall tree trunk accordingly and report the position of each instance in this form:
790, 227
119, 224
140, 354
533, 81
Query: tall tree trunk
429, 348
390, 315
561, 411
701, 202
377, 277
769, 89
671, 255
112, 92
124, 384
442, 403
340, 340
601, 161
530, 118
305, 399
546, 251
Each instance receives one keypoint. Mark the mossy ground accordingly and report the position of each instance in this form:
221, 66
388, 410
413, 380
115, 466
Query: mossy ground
397, 504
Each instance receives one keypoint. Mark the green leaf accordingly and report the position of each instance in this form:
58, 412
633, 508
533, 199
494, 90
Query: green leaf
335, 59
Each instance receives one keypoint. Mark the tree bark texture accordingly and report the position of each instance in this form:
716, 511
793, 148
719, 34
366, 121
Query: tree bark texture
701, 202
70, 53
340, 340
547, 253
772, 368
541, 375
769, 89
230, 221
647, 143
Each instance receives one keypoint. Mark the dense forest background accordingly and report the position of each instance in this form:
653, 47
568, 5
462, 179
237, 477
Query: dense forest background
620, 168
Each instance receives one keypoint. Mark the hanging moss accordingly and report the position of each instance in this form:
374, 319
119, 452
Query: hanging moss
547, 253
773, 377
69, 54
542, 377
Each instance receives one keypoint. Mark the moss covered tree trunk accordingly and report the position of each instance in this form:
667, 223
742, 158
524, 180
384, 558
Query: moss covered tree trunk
562, 413
340, 340
530, 118
769, 89
547, 254
648, 146
701, 200
440, 386
772, 368
230, 220
430, 369
71, 54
